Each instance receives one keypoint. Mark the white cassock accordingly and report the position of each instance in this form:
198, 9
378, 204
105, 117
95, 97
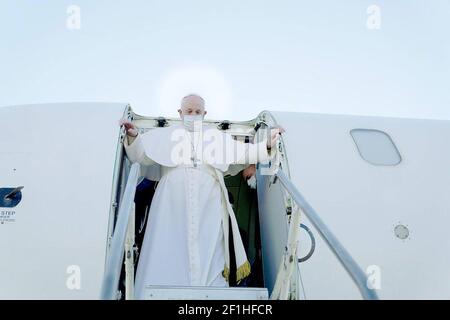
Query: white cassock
186, 238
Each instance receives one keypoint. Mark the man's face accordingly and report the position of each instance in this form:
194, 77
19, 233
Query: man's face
192, 106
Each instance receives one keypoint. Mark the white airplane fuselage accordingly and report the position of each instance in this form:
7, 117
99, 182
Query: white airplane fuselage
380, 184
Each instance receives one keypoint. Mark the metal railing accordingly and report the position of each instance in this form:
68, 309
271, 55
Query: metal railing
115, 257
350, 265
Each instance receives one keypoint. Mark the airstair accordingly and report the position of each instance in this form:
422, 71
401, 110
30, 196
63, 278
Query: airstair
122, 251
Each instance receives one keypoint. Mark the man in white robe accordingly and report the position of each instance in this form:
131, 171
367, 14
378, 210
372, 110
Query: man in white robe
186, 238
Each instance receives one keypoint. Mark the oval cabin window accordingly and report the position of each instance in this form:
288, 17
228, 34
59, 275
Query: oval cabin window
376, 147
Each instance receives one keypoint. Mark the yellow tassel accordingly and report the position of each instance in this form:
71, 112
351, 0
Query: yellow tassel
243, 271
226, 273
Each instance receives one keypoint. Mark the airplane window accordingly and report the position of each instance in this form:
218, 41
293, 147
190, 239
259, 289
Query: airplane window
376, 147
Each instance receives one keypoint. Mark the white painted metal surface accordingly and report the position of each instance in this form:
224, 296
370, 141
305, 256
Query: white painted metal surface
130, 256
392, 219
363, 203
63, 154
204, 293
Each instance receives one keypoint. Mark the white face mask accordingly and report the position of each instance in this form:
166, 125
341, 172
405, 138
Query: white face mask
193, 122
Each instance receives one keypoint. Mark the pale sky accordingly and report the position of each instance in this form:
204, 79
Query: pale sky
243, 56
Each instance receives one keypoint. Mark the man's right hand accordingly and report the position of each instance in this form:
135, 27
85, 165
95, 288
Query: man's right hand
130, 128
274, 136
